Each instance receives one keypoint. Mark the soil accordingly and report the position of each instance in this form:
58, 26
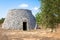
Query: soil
38, 34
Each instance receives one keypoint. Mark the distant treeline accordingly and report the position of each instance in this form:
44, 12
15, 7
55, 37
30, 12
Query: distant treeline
2, 20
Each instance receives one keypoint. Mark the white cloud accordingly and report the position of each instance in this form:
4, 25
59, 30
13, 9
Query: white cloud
23, 5
35, 8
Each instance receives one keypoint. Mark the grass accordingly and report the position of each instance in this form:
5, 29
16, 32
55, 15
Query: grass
38, 34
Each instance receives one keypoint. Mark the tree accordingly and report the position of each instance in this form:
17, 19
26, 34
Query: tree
38, 17
50, 13
2, 20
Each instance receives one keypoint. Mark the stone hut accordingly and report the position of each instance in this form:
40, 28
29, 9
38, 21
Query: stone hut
20, 19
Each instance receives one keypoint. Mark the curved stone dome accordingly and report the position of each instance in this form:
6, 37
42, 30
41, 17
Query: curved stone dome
19, 19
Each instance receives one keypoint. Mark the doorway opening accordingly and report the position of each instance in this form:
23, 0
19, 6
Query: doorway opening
24, 26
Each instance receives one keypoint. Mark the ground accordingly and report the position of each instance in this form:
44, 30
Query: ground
38, 34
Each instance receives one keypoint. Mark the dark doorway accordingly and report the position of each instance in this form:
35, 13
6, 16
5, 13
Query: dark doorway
24, 25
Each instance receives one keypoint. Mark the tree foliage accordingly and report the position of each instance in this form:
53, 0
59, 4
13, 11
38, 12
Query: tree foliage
2, 20
50, 13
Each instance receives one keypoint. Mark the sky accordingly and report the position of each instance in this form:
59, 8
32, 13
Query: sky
6, 5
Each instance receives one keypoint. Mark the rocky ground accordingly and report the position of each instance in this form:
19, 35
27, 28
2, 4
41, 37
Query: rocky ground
38, 34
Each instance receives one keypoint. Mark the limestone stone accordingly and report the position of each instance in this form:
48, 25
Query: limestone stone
16, 17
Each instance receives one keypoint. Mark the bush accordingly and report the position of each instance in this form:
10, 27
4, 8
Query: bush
2, 20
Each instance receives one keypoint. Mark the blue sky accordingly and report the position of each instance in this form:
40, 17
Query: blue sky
6, 5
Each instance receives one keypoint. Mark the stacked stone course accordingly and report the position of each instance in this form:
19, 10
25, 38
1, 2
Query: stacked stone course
16, 17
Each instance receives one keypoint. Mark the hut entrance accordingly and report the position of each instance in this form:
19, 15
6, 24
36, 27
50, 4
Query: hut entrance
24, 25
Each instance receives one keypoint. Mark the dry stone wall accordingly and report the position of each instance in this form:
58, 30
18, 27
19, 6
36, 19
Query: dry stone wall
16, 17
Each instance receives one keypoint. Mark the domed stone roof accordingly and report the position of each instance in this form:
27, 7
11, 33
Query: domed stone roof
21, 19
